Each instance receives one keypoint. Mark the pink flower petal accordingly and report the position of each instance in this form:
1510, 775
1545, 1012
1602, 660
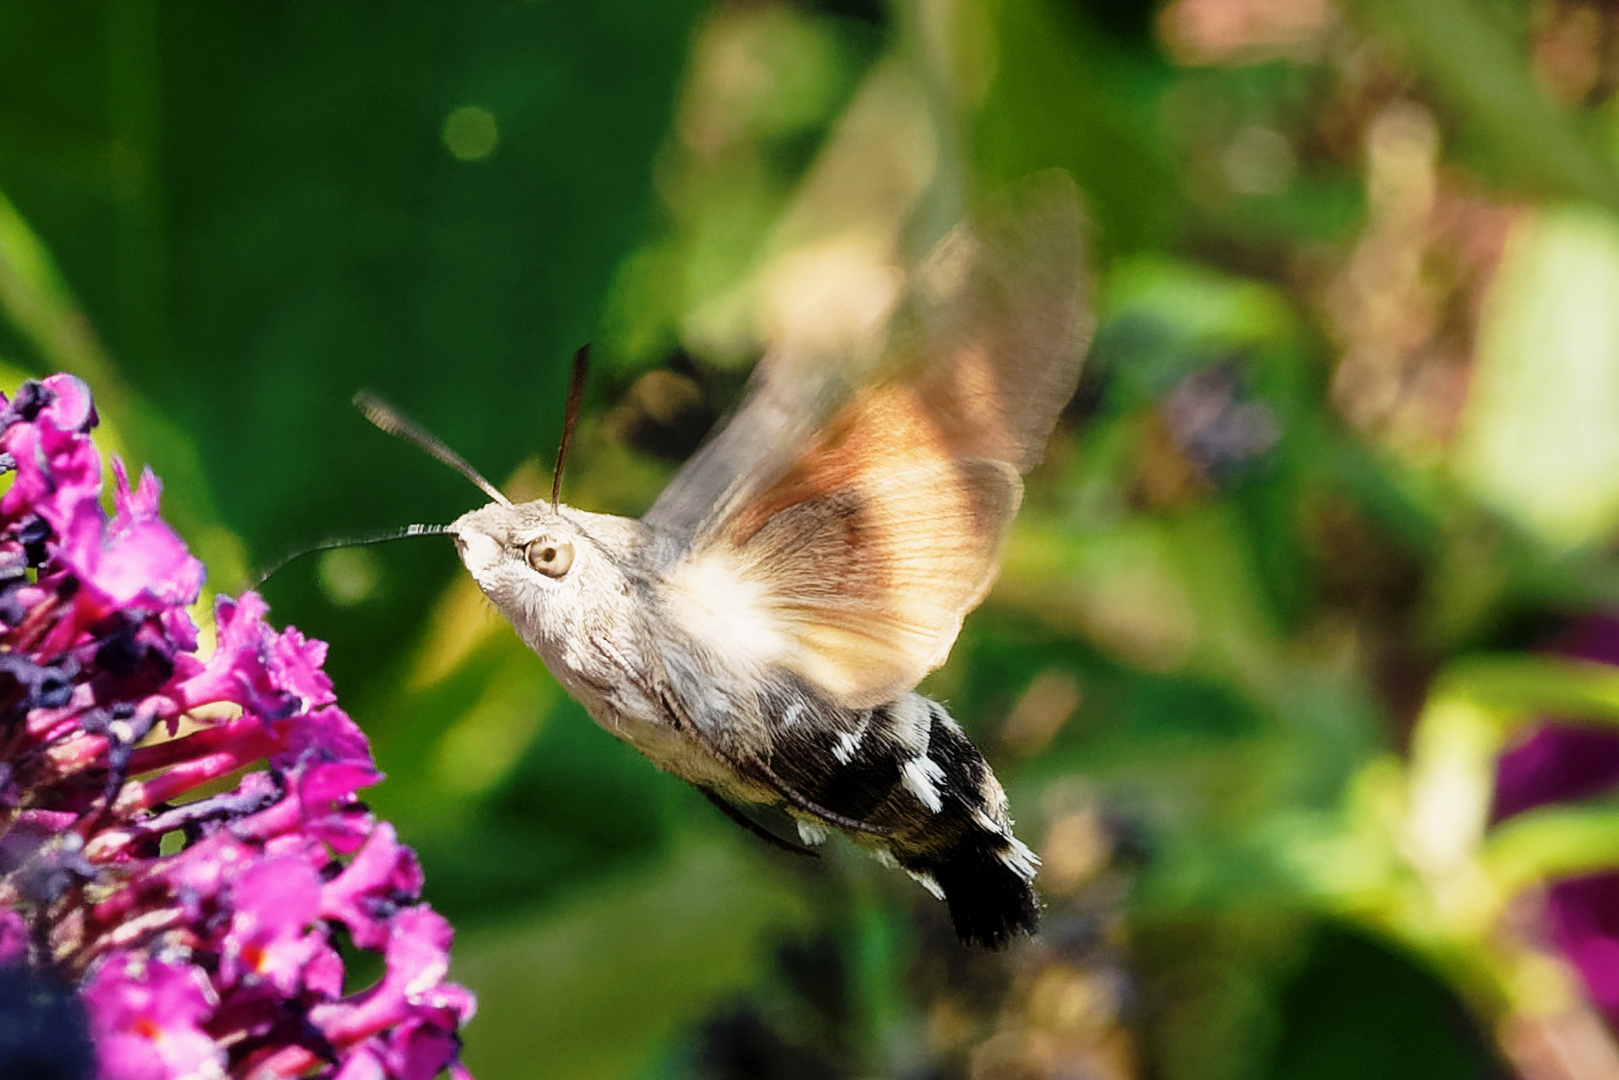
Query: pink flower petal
145, 1020
276, 900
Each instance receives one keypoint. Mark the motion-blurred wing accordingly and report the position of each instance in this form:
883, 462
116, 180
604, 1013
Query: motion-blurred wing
781, 413
861, 544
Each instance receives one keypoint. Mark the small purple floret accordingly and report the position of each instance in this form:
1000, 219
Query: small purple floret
146, 1018
220, 958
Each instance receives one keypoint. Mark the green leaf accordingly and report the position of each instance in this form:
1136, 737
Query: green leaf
592, 992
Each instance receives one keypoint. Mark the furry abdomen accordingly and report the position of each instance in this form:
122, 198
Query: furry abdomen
903, 769
907, 769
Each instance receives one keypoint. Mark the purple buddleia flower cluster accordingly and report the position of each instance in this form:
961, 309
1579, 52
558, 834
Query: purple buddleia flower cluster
191, 910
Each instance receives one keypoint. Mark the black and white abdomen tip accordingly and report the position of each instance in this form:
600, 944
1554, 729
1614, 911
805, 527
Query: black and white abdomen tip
964, 845
909, 770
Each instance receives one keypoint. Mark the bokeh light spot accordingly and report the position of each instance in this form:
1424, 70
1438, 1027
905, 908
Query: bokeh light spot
348, 576
470, 133
1259, 161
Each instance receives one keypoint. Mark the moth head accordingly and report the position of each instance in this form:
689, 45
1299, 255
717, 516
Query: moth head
525, 555
549, 570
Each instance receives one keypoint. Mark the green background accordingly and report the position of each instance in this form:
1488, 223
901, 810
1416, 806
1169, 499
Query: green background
231, 217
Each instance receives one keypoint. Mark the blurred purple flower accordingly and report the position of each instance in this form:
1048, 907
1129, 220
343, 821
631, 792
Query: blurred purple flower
1583, 914
1557, 762
1217, 423
218, 958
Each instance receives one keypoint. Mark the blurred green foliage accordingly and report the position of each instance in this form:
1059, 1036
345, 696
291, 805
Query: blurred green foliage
1345, 451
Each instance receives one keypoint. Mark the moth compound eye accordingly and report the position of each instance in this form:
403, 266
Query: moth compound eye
550, 557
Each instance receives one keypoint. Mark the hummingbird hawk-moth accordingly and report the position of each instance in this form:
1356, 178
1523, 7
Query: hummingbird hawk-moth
760, 631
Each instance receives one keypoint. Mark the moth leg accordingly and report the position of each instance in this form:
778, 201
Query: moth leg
809, 806
754, 827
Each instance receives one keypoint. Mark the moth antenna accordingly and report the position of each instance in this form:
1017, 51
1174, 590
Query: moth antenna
353, 541
570, 416
394, 422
